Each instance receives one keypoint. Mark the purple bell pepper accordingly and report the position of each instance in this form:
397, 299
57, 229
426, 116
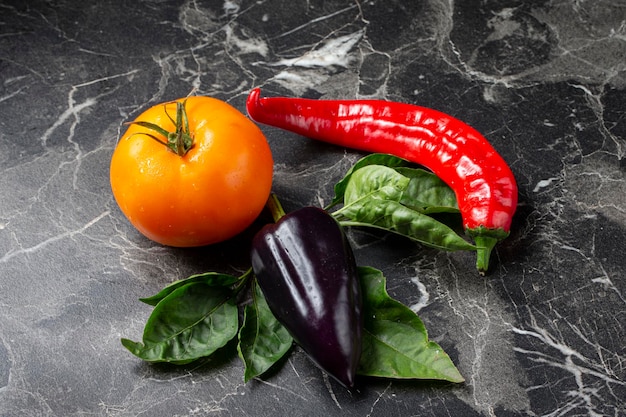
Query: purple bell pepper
306, 269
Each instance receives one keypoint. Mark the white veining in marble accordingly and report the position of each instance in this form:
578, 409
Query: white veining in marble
541, 335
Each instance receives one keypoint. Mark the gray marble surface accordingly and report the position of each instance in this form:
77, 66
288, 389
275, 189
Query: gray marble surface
543, 335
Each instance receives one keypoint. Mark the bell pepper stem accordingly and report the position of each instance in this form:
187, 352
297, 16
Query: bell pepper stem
484, 246
275, 208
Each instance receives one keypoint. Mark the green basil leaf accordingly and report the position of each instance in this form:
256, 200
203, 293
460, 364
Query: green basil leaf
191, 322
376, 181
393, 217
263, 341
213, 279
395, 341
371, 159
427, 193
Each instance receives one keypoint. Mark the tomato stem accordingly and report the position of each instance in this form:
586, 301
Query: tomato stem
179, 141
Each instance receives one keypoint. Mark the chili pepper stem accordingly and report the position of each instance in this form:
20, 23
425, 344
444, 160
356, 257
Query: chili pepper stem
275, 208
484, 246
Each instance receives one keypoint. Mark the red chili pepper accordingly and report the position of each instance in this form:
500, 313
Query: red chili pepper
485, 188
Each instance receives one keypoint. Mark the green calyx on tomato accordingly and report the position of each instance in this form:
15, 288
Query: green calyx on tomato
179, 141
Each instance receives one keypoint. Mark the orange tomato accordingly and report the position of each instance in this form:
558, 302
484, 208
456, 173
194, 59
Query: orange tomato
205, 195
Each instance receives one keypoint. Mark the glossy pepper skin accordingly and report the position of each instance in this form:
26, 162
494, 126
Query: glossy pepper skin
307, 272
485, 187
